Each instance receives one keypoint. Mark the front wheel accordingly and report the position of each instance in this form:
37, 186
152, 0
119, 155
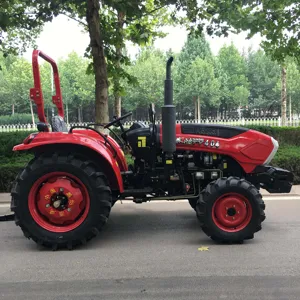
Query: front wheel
61, 200
230, 210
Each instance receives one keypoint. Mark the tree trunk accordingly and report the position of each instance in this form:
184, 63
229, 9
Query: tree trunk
119, 49
283, 96
12, 109
290, 109
117, 106
31, 111
99, 63
199, 110
79, 117
196, 109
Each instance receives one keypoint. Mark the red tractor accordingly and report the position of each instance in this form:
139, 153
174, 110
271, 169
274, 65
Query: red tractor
64, 195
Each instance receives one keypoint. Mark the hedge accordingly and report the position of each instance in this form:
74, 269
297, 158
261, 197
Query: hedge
16, 119
288, 155
284, 135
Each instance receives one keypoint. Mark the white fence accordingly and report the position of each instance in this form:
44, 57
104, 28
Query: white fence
295, 122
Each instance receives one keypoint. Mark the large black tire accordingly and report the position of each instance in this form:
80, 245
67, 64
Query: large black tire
94, 182
207, 209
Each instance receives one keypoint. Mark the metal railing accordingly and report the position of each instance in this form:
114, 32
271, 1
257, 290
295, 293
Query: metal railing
295, 122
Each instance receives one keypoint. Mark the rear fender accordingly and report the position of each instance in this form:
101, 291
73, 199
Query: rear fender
91, 147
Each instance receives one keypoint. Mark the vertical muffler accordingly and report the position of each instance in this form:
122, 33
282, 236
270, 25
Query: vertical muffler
168, 115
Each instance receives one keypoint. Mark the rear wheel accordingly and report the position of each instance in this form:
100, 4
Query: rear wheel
230, 210
60, 200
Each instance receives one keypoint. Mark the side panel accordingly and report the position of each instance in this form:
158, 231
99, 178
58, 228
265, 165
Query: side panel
97, 145
249, 148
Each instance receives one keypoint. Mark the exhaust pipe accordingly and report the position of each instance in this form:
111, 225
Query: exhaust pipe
169, 115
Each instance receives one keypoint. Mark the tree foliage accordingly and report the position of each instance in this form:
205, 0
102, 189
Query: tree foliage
277, 21
149, 68
235, 86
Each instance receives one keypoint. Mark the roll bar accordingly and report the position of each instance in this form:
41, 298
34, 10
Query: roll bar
36, 93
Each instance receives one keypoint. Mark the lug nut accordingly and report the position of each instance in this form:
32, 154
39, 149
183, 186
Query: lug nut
48, 205
69, 209
61, 189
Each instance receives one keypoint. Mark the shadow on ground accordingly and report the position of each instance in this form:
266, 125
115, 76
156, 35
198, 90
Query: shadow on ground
132, 225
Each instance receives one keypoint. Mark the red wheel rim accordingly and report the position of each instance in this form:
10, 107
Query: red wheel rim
232, 212
58, 202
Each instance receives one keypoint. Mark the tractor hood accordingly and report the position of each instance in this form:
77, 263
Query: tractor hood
249, 147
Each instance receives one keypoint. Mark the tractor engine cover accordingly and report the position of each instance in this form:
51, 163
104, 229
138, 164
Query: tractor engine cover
248, 147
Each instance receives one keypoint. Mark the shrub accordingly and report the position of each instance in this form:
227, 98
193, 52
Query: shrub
8, 140
284, 135
8, 173
16, 119
288, 157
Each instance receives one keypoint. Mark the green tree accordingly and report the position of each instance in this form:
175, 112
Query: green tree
241, 95
195, 47
20, 24
202, 86
276, 21
149, 68
120, 26
77, 85
293, 86
270, 18
16, 80
233, 65
263, 74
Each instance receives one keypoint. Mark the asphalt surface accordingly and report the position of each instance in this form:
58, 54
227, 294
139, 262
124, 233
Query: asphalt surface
150, 251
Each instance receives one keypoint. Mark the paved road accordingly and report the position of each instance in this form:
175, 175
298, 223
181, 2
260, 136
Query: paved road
150, 251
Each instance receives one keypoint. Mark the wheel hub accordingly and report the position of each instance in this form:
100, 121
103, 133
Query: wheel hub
60, 201
232, 212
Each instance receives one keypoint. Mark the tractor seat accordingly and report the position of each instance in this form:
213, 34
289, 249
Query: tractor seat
58, 124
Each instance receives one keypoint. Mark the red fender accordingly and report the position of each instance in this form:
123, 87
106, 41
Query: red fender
120, 154
80, 138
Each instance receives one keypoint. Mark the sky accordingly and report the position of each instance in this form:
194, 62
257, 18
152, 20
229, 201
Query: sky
63, 35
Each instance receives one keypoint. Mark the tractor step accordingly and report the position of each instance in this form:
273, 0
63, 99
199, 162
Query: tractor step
137, 192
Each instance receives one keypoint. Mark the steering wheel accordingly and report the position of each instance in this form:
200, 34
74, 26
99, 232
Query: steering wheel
117, 120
